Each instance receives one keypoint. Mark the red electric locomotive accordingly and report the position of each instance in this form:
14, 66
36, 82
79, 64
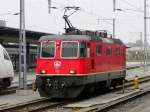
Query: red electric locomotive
69, 63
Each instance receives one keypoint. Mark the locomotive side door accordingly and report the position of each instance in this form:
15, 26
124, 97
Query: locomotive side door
92, 56
85, 55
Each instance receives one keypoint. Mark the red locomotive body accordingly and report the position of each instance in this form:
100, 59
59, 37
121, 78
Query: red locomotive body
68, 64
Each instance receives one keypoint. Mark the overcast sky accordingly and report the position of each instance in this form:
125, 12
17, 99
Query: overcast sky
128, 22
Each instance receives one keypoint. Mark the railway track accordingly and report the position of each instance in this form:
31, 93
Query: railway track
133, 67
34, 106
12, 89
115, 102
45, 104
139, 103
105, 105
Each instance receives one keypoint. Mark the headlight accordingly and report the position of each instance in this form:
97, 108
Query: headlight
72, 72
43, 71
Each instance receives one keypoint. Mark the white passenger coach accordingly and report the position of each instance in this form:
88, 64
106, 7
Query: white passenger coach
6, 68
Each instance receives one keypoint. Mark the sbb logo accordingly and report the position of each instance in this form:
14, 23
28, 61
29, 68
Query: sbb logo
57, 65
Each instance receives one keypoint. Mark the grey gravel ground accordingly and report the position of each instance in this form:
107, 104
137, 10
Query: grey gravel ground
13, 98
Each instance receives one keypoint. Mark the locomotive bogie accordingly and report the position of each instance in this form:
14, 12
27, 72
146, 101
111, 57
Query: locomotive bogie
70, 87
59, 87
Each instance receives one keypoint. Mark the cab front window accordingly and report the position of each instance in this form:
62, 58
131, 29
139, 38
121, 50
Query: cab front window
69, 49
48, 49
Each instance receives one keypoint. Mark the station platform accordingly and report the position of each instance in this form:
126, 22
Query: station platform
13, 99
130, 73
30, 76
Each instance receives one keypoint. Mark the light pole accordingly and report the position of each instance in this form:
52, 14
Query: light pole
114, 20
145, 36
22, 49
50, 7
114, 27
114, 5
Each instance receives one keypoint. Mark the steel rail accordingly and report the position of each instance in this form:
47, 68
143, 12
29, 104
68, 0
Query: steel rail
56, 107
102, 107
60, 105
33, 106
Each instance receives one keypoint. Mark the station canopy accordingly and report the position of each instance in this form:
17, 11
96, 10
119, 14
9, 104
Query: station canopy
9, 34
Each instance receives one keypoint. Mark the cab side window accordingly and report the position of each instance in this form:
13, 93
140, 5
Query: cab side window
98, 50
118, 51
82, 49
109, 51
6, 56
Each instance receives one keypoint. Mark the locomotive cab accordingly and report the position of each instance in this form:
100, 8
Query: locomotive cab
62, 57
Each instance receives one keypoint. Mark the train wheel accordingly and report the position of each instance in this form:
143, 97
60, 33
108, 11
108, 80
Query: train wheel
102, 87
114, 84
6, 82
42, 92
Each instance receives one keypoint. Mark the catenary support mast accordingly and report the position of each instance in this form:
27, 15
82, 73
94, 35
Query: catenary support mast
22, 49
145, 36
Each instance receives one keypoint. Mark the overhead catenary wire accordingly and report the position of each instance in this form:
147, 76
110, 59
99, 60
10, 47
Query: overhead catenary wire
105, 18
100, 16
84, 11
131, 5
96, 15
87, 11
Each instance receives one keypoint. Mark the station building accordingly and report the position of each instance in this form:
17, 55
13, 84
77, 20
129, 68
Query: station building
137, 53
9, 38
